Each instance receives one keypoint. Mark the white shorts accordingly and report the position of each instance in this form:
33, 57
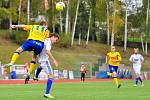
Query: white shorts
137, 69
46, 67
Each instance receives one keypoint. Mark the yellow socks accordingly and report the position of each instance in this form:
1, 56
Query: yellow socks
32, 66
14, 57
116, 81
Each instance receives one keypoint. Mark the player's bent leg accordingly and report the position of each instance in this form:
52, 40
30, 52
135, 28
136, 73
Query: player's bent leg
39, 69
31, 69
32, 66
15, 57
140, 79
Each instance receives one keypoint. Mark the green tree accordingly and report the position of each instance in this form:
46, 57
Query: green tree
8, 10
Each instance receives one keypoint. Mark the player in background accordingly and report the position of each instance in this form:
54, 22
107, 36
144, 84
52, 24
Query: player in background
137, 60
34, 42
83, 72
44, 62
113, 59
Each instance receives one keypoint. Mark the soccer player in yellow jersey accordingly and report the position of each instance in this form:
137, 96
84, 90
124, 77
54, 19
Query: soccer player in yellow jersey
34, 42
113, 59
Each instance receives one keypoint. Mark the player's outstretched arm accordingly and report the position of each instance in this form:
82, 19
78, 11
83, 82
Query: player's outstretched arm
119, 57
18, 26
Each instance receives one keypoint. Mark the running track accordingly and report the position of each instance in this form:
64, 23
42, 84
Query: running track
9, 81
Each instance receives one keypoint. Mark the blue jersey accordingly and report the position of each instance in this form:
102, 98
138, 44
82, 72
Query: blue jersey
33, 45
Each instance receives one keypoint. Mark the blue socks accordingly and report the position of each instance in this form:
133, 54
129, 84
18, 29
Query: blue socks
140, 79
48, 86
38, 71
136, 80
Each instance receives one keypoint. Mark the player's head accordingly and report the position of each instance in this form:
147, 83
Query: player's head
136, 50
83, 65
54, 37
43, 23
113, 48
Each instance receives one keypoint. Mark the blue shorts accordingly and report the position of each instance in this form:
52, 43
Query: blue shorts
33, 45
13, 75
113, 68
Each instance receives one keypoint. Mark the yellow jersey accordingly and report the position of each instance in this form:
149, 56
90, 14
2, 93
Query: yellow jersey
113, 56
37, 32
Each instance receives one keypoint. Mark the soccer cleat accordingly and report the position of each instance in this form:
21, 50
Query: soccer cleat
9, 65
35, 79
119, 85
48, 96
135, 85
142, 84
27, 79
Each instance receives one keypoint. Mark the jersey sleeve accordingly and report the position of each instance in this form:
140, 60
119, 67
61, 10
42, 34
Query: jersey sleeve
119, 56
27, 27
46, 33
47, 43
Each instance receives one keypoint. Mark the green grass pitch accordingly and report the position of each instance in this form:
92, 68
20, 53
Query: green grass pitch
77, 91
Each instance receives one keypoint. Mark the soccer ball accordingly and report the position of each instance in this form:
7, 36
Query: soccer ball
60, 6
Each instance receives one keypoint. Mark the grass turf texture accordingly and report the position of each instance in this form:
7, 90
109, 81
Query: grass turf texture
77, 91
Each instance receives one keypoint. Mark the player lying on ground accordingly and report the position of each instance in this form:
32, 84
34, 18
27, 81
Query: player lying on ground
44, 63
113, 59
137, 60
34, 42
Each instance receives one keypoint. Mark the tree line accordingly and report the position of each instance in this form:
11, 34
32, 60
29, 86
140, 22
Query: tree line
107, 21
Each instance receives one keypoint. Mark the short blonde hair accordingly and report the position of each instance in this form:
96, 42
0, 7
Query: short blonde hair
43, 22
136, 49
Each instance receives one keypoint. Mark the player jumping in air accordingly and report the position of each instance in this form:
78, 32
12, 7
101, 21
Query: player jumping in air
137, 60
34, 42
44, 63
113, 59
